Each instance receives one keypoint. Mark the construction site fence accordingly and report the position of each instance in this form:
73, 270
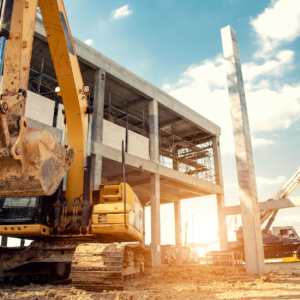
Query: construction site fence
228, 258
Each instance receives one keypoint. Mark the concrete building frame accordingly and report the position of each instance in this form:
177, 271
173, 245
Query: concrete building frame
157, 184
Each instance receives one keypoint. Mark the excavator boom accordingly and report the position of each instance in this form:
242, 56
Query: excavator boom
32, 162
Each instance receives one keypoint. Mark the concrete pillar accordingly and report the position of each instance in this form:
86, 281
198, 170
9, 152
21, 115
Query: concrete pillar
175, 161
178, 236
4, 241
143, 241
244, 158
153, 131
220, 197
155, 219
97, 129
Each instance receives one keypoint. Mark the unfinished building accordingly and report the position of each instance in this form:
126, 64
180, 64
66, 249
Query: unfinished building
172, 152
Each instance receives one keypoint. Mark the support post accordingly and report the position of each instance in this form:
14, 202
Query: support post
220, 197
4, 241
244, 157
178, 237
154, 131
154, 184
155, 219
97, 129
175, 161
143, 241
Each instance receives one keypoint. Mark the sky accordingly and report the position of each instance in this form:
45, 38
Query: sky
177, 46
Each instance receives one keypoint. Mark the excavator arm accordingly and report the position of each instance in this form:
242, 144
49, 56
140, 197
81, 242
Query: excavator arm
32, 162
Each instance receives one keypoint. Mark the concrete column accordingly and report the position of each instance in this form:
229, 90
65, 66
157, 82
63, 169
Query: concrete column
143, 241
220, 197
175, 161
153, 131
244, 158
178, 236
97, 129
4, 241
155, 219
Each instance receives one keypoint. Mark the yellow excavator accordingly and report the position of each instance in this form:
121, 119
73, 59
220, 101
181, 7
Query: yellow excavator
45, 186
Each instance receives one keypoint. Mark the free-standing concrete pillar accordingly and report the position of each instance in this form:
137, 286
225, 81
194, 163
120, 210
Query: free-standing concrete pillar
97, 128
178, 237
154, 184
220, 197
244, 157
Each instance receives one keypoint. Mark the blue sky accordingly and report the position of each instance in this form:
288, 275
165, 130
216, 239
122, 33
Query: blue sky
176, 45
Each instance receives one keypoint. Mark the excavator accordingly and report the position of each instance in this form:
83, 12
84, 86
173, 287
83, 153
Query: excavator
80, 232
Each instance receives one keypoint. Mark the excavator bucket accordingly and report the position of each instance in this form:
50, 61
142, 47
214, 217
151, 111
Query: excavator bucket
34, 165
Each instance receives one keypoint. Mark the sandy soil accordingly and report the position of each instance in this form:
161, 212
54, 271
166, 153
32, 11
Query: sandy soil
282, 281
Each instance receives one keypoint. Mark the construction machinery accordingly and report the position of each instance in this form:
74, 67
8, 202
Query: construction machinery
77, 228
281, 241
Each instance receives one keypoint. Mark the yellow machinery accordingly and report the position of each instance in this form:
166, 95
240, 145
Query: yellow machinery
74, 230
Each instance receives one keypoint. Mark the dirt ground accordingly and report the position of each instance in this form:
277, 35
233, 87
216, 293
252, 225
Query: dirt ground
282, 281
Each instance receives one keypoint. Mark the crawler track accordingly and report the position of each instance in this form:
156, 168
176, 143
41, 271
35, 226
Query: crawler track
101, 267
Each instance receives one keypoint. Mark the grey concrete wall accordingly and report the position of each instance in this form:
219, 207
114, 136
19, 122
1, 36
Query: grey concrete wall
244, 157
56, 132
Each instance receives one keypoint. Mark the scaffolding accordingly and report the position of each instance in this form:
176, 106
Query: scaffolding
189, 152
182, 146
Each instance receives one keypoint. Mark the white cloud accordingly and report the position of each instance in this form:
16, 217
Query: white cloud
203, 87
270, 110
121, 12
257, 142
278, 23
283, 60
89, 42
262, 181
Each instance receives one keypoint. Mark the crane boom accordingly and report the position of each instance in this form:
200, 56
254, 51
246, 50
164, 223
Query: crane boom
284, 192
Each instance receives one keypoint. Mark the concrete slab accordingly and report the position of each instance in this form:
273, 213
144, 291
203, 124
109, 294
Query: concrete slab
96, 60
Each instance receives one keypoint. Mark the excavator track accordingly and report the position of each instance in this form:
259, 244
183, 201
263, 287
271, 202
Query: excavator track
99, 267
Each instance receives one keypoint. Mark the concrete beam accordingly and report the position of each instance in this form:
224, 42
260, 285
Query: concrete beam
188, 182
96, 60
56, 132
184, 187
134, 102
268, 205
147, 191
